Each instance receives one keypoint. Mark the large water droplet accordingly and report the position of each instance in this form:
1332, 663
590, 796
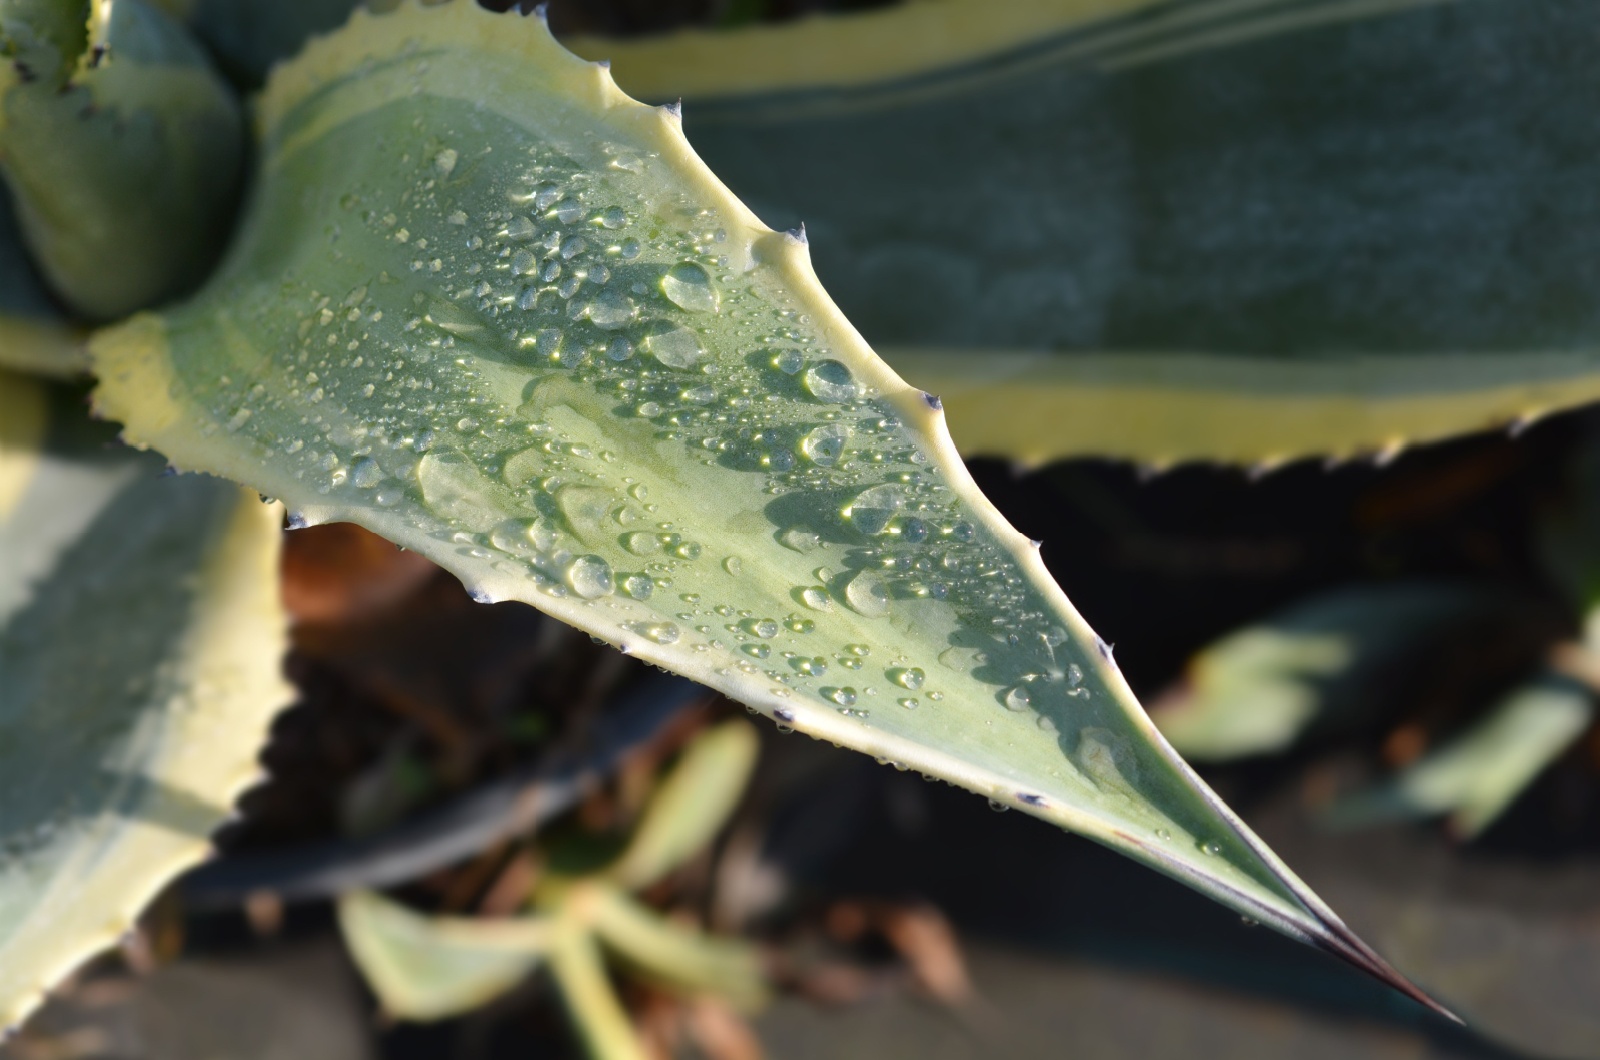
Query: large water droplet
688, 286
657, 632
871, 510
1018, 698
830, 381
816, 598
1107, 759
867, 594
611, 310
589, 577
677, 347
824, 445
638, 586
908, 677
454, 489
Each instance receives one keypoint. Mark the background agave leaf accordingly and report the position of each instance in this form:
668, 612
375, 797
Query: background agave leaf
32, 336
140, 638
690, 807
248, 36
1313, 665
1480, 772
489, 307
427, 968
1167, 231
125, 172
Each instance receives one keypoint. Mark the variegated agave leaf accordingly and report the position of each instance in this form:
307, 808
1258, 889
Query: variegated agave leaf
140, 640
1170, 231
488, 306
125, 161
33, 337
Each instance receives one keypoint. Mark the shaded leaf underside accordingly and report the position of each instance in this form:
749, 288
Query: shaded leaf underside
489, 307
1190, 229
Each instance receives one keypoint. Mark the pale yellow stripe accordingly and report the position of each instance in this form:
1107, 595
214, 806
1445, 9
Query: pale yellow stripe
30, 344
838, 51
24, 415
1166, 409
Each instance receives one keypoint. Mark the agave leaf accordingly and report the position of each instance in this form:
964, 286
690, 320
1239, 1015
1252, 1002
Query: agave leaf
675, 956
1478, 774
249, 36
1209, 230
41, 39
489, 307
690, 806
427, 968
125, 173
1257, 690
140, 638
599, 1017
33, 338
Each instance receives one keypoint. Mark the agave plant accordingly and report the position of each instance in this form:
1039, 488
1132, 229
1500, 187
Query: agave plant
443, 279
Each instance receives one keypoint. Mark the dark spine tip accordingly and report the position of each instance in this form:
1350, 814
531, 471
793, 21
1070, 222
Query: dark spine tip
798, 234
674, 109
1030, 799
604, 64
541, 12
1343, 943
296, 521
933, 401
783, 714
1104, 649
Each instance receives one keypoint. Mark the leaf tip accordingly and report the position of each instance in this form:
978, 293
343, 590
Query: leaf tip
932, 401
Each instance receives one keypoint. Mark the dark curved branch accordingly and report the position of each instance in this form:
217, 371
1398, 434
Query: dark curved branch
511, 805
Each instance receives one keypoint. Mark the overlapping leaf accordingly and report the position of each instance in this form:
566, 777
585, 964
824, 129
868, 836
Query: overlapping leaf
140, 640
33, 338
124, 159
489, 307
1169, 231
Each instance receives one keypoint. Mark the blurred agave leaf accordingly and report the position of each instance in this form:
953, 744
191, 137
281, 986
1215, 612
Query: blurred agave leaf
598, 1016
1166, 231
675, 956
126, 168
140, 640
41, 39
249, 36
1475, 776
1260, 689
33, 338
489, 307
427, 968
691, 805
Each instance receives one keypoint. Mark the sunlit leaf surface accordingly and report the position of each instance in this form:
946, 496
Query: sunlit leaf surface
489, 307
1179, 230
140, 640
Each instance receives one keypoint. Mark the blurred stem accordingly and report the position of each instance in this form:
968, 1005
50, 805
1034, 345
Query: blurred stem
600, 1018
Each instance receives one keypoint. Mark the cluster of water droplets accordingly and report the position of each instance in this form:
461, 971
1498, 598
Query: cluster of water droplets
549, 341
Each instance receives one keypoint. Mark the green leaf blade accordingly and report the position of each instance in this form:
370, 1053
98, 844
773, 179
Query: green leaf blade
1206, 231
489, 307
140, 639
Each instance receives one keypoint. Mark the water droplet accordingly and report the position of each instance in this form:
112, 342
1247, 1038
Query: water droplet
1107, 759
677, 347
657, 632
758, 651
816, 598
688, 286
733, 565
1163, 835
813, 667
641, 543
873, 509
997, 806
798, 540
1210, 848
445, 161
765, 628
1018, 698
638, 586
797, 624
589, 577
613, 217
824, 445
1074, 675
845, 697
911, 678
365, 473
830, 381
909, 703
611, 310
867, 594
